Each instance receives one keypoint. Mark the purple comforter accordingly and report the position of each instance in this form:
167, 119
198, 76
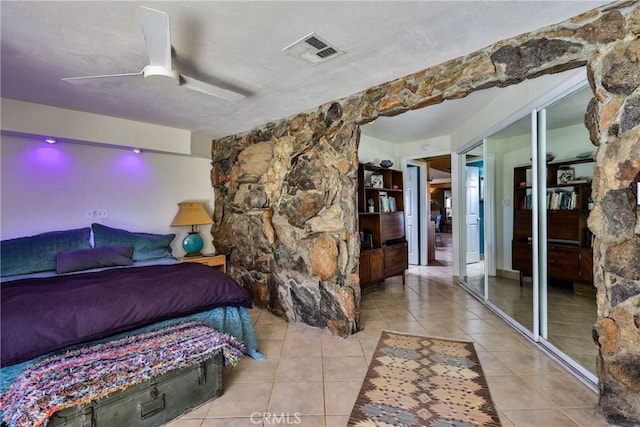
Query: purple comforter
47, 314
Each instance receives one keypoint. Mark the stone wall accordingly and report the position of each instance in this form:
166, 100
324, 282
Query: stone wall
613, 118
285, 213
285, 210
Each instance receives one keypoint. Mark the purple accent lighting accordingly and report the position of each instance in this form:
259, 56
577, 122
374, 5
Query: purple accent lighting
132, 165
49, 159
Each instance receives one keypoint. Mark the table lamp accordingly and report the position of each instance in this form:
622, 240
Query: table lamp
193, 214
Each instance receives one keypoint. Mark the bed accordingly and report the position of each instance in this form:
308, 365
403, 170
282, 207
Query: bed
67, 289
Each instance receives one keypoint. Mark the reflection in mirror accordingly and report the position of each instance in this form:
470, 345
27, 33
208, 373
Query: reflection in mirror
570, 295
511, 289
474, 220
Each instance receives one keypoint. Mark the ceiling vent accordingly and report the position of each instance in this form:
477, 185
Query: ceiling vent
313, 48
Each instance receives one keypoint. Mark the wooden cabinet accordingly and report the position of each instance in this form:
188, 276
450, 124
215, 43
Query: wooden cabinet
569, 254
371, 265
392, 226
586, 265
395, 259
384, 250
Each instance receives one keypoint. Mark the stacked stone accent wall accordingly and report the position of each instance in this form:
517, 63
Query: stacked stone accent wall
285, 209
614, 124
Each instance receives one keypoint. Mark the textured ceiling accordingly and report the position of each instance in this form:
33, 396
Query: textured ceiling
238, 45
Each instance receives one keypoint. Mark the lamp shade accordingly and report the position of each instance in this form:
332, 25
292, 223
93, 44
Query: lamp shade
191, 213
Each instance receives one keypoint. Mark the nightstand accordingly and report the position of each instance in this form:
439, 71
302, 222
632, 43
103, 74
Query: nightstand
215, 261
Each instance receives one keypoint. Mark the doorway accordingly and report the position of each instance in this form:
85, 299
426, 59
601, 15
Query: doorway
440, 209
473, 214
510, 282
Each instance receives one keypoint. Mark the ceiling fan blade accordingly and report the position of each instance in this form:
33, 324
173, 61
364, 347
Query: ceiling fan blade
198, 86
100, 78
157, 33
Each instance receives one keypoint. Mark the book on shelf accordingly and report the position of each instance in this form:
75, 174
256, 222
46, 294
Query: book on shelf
561, 200
384, 202
589, 237
526, 203
555, 200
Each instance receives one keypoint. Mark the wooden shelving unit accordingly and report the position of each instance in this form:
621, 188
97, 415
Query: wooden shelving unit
569, 249
384, 248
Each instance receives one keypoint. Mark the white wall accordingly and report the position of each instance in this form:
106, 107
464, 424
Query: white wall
513, 103
50, 187
510, 153
424, 147
26, 118
374, 150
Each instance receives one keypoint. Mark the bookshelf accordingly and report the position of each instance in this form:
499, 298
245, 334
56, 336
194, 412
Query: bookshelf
384, 250
569, 241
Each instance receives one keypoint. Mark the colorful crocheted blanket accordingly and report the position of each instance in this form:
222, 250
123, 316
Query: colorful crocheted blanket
87, 373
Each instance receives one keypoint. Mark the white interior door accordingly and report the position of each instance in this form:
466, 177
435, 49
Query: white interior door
472, 214
411, 213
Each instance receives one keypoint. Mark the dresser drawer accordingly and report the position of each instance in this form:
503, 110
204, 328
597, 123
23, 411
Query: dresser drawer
563, 262
396, 259
216, 261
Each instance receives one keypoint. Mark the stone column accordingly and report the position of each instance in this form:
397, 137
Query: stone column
613, 118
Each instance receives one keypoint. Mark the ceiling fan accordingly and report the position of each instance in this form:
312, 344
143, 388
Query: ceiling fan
157, 33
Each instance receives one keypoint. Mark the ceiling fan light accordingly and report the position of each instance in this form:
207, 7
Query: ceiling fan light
160, 76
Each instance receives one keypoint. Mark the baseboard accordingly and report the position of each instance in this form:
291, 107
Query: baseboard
508, 274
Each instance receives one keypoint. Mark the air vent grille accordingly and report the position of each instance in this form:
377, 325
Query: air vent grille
313, 41
313, 48
327, 52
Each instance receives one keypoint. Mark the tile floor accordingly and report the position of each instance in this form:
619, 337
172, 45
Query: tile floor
311, 378
570, 317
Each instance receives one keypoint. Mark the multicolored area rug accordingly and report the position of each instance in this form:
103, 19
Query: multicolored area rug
422, 381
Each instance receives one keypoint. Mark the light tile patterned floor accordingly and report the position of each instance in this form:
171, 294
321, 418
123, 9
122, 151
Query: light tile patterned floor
570, 317
311, 378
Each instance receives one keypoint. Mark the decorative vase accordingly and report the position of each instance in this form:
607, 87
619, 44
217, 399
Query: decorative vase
193, 243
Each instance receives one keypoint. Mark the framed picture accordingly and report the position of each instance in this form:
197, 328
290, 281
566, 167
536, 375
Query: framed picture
565, 174
377, 181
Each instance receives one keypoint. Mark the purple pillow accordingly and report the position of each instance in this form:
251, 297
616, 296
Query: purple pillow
106, 256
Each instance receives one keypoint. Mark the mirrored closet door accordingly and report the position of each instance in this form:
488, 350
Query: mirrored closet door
511, 291
567, 294
533, 184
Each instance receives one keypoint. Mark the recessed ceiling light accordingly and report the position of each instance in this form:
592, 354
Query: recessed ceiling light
137, 150
50, 140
